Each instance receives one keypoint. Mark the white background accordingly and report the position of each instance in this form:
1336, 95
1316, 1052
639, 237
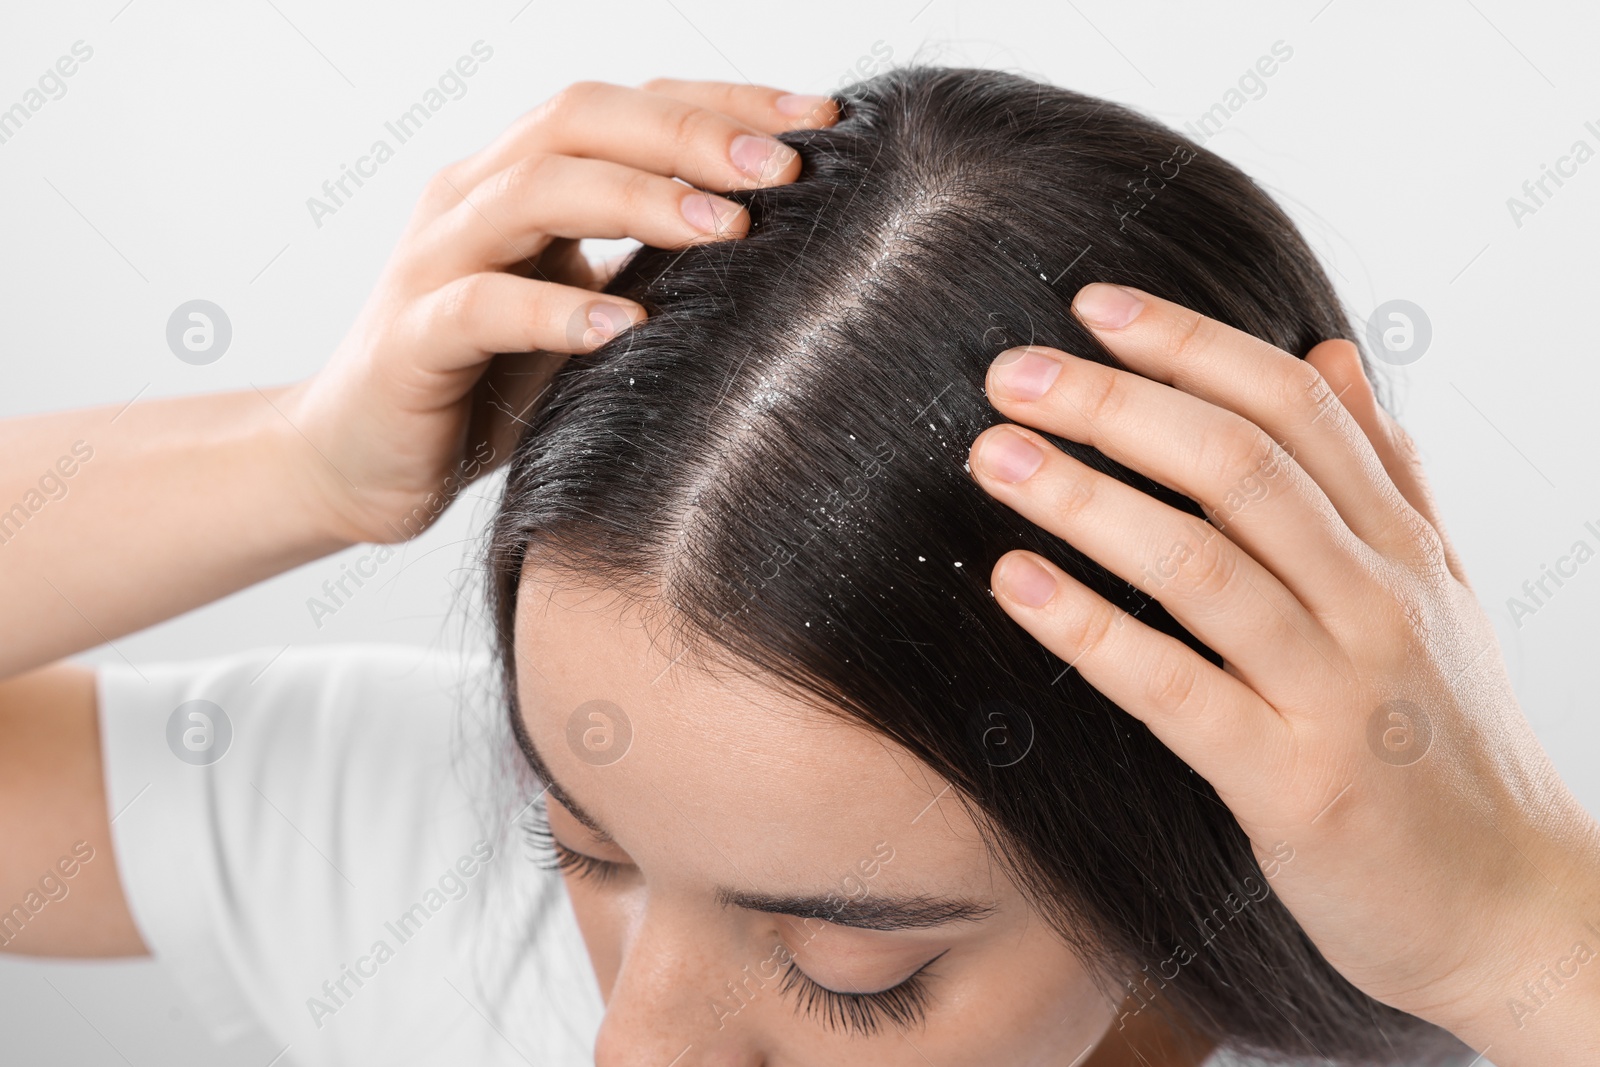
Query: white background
178, 164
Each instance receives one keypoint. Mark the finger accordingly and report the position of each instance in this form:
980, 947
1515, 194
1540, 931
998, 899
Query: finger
1249, 485
1267, 386
644, 130
757, 106
1209, 584
1210, 719
512, 215
460, 325
1339, 362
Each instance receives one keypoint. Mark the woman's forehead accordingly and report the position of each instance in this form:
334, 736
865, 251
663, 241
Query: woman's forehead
661, 750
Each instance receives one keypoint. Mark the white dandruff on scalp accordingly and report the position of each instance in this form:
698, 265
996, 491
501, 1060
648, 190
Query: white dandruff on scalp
852, 288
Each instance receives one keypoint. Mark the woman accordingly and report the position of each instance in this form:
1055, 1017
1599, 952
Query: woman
815, 798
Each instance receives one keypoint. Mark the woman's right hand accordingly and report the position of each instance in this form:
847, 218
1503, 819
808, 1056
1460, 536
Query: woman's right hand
204, 495
415, 402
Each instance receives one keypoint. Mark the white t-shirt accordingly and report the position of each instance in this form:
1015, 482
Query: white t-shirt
324, 882
335, 880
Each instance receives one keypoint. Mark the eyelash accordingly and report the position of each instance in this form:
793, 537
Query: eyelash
904, 1005
554, 856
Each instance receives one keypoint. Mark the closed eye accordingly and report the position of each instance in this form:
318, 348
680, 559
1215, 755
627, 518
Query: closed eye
553, 855
903, 1005
567, 861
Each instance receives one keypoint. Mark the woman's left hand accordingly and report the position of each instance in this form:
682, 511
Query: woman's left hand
1363, 732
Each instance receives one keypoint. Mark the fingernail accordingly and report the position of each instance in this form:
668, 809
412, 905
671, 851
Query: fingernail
760, 157
605, 322
708, 214
1023, 580
1110, 307
797, 104
1009, 456
1024, 373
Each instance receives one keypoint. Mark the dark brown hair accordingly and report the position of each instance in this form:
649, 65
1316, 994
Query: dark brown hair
775, 459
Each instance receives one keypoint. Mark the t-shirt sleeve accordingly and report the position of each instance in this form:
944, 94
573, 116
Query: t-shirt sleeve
310, 840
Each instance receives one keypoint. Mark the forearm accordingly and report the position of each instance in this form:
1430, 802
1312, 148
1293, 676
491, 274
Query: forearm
114, 519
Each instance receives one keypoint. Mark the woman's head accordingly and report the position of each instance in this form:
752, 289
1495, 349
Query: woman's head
741, 538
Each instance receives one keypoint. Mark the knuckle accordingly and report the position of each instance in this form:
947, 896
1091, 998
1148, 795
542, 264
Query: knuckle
1087, 631
1415, 621
525, 174
573, 98
1171, 682
1397, 635
443, 186
1104, 393
1410, 524
1073, 498
1238, 451
1190, 332
565, 105
1211, 570
686, 125
1301, 388
465, 302
1414, 529
658, 85
637, 192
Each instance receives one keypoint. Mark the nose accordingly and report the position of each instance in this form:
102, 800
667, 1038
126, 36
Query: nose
682, 998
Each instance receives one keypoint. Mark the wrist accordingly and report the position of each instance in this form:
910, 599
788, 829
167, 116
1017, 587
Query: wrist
1535, 991
320, 495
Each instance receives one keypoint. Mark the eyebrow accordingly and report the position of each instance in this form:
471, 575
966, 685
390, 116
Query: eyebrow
542, 771
871, 912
